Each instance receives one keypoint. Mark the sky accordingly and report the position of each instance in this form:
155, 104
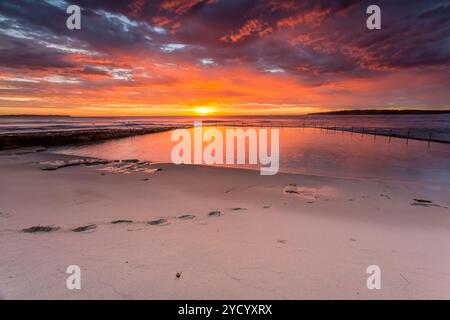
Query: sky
222, 57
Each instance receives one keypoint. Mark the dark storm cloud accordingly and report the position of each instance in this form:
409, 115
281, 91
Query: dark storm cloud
316, 40
21, 55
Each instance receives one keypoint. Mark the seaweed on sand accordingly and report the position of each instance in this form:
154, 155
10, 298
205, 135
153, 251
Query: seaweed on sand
215, 213
121, 221
159, 222
35, 229
85, 228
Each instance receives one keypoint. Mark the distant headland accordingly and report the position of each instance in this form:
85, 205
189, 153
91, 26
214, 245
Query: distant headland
34, 116
379, 112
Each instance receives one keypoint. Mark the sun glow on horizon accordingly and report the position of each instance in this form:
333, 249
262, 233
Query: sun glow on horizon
204, 110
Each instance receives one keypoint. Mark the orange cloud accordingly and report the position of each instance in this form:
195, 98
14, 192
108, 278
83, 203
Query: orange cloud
312, 18
181, 6
161, 21
136, 7
253, 26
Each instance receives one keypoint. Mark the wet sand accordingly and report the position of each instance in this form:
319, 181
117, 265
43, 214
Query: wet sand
159, 231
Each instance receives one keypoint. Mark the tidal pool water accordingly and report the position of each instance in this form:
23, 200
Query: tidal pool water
310, 151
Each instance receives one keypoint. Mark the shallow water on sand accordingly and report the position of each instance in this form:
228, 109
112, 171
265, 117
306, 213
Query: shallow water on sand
310, 151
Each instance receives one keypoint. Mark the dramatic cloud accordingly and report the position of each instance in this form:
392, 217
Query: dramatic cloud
253, 26
243, 56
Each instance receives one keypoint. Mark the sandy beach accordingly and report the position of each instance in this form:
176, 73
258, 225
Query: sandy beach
228, 233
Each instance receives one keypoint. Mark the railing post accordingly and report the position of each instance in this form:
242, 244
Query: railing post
429, 138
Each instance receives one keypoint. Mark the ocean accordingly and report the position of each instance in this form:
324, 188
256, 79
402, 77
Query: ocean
307, 145
412, 126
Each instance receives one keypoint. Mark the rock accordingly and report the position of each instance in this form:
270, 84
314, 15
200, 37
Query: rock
131, 160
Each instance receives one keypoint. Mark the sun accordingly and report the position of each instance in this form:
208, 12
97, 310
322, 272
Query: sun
204, 110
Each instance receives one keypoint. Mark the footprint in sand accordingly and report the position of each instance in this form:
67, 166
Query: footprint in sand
309, 193
239, 209
36, 229
422, 200
159, 222
89, 227
186, 217
215, 213
426, 203
5, 214
121, 221
291, 189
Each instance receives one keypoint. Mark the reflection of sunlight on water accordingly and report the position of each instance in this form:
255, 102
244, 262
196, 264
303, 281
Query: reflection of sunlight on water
308, 150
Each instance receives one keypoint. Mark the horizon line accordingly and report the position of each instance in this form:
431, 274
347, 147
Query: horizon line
329, 112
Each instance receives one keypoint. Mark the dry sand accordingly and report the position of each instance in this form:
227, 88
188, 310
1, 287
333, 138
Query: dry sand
276, 237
